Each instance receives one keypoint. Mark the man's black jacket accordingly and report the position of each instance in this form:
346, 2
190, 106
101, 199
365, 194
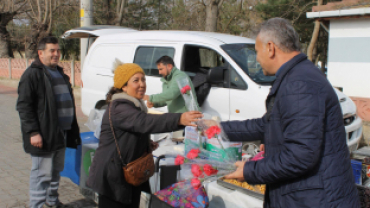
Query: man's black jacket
38, 111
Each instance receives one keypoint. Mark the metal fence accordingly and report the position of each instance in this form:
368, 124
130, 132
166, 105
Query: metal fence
14, 68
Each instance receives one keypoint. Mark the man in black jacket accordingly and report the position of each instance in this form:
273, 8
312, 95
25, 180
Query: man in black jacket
48, 121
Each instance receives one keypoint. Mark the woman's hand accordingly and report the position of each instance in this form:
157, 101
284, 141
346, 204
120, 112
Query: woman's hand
189, 118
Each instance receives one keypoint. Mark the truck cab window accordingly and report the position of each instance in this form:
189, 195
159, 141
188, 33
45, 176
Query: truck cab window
146, 57
198, 60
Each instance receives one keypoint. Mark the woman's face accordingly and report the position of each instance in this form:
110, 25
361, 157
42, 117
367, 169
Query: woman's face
136, 86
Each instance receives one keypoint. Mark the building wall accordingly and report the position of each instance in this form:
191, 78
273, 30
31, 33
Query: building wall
349, 56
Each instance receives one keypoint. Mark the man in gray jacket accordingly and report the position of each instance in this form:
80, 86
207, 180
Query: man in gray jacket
48, 121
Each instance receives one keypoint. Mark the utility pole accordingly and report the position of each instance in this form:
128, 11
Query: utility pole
86, 14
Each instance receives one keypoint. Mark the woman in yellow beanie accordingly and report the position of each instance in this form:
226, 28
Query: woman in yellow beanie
132, 127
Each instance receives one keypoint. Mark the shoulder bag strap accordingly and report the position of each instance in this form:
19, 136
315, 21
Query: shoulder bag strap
114, 135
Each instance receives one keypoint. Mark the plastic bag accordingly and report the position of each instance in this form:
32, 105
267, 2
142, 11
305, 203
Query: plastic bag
218, 142
187, 93
176, 197
94, 121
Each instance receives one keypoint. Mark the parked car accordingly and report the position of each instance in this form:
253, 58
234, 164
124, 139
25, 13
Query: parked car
239, 88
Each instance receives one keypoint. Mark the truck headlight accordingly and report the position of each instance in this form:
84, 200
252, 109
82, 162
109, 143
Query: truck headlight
349, 118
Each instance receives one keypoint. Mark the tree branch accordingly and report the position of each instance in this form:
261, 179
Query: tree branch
118, 6
39, 9
301, 11
20, 7
31, 17
204, 3
34, 14
46, 11
62, 5
315, 35
236, 14
51, 19
120, 14
220, 3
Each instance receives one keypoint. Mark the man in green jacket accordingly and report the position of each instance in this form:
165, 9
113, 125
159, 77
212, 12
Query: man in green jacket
171, 95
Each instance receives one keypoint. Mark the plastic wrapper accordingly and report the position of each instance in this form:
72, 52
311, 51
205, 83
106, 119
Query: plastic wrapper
94, 121
208, 155
187, 93
212, 142
195, 168
217, 141
189, 171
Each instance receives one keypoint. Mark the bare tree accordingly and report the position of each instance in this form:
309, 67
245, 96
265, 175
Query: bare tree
8, 10
41, 16
41, 19
212, 11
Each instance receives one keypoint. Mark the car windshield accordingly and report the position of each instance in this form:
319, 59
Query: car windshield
245, 56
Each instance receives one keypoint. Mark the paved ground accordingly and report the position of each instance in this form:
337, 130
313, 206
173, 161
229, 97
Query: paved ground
15, 164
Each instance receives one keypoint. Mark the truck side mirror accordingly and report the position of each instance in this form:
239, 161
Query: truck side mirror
216, 75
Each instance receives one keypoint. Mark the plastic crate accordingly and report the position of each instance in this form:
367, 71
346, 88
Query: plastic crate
72, 161
357, 169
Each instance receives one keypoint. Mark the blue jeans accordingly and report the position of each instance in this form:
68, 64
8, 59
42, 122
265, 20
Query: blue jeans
44, 178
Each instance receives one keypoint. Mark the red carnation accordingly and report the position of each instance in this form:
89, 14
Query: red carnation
209, 170
212, 131
179, 160
193, 153
197, 172
195, 182
185, 89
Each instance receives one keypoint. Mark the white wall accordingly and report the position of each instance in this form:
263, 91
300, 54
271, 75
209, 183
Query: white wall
349, 56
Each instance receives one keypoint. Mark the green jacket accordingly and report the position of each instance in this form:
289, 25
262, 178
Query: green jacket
171, 95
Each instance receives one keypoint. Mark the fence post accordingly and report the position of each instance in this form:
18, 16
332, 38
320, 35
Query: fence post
26, 63
73, 71
10, 68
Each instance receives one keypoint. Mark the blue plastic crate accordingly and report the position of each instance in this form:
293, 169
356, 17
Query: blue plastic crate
357, 169
72, 161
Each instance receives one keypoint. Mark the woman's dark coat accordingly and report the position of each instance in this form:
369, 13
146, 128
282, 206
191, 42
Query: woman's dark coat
132, 127
307, 161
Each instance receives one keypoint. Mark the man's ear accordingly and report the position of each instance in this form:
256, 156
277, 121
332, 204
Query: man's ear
39, 52
271, 49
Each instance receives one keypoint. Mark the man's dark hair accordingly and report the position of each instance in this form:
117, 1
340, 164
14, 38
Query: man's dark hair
165, 60
46, 40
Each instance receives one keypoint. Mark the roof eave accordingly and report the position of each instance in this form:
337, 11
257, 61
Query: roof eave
339, 13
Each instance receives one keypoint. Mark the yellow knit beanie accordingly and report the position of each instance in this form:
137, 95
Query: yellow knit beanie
124, 72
